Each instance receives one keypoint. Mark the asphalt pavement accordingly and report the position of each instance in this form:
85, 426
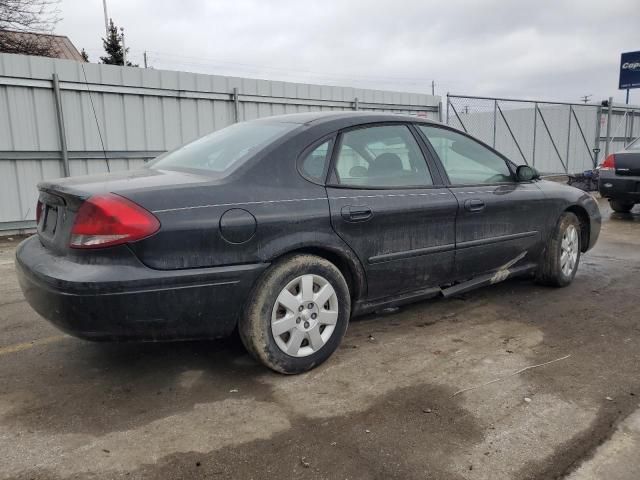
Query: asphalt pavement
384, 406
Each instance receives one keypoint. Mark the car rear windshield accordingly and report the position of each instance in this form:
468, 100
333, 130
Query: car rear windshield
223, 151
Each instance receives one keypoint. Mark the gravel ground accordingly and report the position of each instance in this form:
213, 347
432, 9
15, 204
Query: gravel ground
382, 407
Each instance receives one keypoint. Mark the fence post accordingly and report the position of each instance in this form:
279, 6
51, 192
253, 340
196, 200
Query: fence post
626, 127
606, 145
61, 131
495, 121
236, 104
356, 104
447, 108
633, 116
440, 111
535, 127
569, 135
596, 145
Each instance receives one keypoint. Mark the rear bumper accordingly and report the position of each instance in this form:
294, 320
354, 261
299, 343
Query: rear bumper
126, 300
619, 187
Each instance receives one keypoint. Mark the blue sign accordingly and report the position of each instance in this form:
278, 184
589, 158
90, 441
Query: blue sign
629, 70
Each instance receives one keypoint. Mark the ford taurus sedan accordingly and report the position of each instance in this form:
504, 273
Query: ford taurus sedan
286, 227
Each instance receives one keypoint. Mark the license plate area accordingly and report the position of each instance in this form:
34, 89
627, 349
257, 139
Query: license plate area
52, 211
50, 220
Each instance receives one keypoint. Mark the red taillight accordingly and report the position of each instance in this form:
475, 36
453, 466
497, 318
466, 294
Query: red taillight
609, 163
39, 208
106, 220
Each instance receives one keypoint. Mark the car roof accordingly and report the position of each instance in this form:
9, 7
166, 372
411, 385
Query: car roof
317, 118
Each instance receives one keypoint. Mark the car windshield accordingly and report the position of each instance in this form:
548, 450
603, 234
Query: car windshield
223, 151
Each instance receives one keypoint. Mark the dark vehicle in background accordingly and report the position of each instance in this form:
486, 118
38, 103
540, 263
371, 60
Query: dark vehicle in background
620, 178
286, 227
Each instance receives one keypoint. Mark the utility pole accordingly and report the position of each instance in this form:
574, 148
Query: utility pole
145, 58
124, 49
106, 18
433, 88
586, 98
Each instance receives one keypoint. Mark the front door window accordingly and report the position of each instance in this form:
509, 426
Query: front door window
465, 160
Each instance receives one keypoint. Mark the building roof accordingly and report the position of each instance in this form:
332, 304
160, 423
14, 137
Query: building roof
60, 44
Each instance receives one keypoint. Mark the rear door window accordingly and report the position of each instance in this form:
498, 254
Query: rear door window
314, 164
381, 156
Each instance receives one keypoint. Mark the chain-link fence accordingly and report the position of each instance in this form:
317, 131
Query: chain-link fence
620, 126
554, 137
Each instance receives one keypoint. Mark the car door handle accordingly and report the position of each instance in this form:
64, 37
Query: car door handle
474, 205
356, 213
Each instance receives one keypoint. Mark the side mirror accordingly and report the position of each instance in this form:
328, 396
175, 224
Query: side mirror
525, 173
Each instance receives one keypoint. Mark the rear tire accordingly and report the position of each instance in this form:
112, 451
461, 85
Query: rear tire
620, 206
297, 314
561, 256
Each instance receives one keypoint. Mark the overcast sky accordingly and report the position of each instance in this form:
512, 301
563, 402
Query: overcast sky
549, 50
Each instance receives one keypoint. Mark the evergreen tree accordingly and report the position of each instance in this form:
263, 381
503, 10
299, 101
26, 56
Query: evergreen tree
113, 47
85, 55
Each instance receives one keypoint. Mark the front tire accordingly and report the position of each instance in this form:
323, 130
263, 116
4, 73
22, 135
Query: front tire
620, 206
297, 314
561, 257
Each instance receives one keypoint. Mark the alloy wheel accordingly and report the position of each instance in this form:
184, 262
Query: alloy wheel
569, 250
304, 315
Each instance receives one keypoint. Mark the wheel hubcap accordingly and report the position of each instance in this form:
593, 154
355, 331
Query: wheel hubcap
569, 249
304, 315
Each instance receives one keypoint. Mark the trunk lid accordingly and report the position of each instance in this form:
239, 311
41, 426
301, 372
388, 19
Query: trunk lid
62, 198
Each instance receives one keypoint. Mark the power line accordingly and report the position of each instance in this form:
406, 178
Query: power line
210, 61
210, 65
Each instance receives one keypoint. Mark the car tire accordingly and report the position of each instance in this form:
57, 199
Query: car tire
291, 305
561, 255
620, 206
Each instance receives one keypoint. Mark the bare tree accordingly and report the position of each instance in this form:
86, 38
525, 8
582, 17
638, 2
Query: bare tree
21, 19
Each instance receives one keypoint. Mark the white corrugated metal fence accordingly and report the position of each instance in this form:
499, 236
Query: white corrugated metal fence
140, 113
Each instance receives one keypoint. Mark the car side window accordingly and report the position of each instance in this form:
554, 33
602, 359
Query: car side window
351, 164
381, 156
314, 164
465, 160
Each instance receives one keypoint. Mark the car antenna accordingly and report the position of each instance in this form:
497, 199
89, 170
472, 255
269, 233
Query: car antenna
106, 160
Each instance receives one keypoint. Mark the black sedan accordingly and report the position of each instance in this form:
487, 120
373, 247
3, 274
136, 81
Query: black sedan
619, 179
286, 227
